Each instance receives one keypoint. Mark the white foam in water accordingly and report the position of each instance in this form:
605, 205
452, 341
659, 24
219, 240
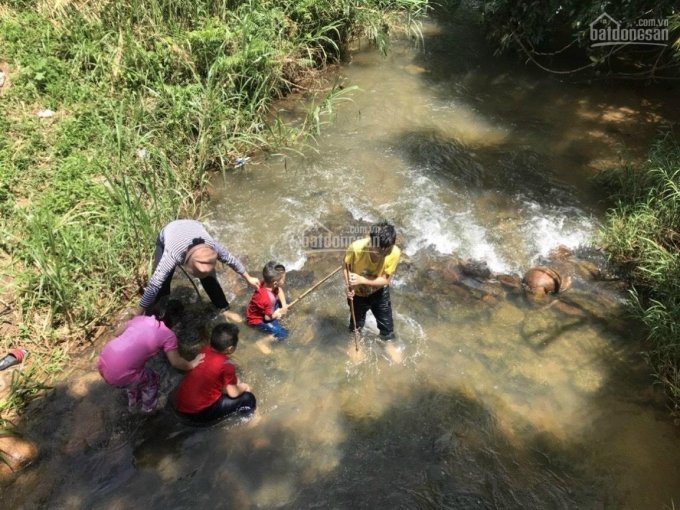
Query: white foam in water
567, 226
431, 233
481, 249
358, 212
294, 265
450, 234
426, 226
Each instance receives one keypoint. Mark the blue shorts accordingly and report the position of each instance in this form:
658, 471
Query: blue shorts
273, 328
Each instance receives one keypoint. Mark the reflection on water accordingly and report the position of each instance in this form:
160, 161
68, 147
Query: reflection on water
498, 403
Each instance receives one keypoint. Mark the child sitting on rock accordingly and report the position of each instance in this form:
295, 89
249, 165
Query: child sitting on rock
122, 362
211, 391
268, 305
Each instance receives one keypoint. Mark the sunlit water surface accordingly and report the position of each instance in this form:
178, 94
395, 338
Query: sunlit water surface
498, 403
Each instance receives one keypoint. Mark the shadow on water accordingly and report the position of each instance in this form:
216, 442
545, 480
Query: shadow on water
427, 446
571, 122
432, 450
500, 168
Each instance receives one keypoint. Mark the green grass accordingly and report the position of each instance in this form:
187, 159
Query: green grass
642, 234
151, 97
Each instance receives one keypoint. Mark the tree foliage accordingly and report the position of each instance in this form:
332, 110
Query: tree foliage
555, 35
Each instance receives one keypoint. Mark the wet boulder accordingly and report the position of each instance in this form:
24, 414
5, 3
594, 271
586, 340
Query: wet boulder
16, 453
475, 269
560, 252
511, 283
299, 279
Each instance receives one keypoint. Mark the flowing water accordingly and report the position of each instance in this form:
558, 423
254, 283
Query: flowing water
498, 402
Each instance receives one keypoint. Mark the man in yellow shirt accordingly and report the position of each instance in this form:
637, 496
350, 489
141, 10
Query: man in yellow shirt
368, 267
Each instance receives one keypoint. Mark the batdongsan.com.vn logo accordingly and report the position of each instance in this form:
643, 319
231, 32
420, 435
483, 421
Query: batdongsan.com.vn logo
607, 31
324, 239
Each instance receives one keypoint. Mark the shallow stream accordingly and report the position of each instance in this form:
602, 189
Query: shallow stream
498, 402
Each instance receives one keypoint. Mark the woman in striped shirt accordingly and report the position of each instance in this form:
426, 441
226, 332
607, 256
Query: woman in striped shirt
187, 243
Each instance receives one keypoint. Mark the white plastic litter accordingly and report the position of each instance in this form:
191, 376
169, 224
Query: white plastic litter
46, 114
239, 162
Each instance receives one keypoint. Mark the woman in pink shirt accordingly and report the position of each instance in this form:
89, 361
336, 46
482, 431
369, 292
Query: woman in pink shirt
123, 359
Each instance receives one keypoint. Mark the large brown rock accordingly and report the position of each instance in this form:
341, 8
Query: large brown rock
17, 453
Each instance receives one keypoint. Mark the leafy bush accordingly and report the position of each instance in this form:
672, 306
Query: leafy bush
642, 233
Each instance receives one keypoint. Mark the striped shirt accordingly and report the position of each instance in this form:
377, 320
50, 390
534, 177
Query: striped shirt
177, 237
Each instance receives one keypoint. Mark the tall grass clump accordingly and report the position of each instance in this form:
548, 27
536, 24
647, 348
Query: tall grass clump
139, 100
642, 234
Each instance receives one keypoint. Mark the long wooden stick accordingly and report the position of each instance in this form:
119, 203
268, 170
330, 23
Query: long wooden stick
354, 318
314, 287
354, 321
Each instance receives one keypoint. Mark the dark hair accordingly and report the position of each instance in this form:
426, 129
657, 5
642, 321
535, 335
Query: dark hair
383, 235
272, 271
171, 315
223, 336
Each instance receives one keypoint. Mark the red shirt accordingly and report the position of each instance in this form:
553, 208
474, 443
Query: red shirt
261, 304
202, 386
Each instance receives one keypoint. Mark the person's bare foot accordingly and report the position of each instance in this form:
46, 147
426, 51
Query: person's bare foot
394, 352
232, 316
264, 344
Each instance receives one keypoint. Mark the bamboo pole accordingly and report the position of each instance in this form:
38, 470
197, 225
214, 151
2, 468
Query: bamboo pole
313, 287
354, 321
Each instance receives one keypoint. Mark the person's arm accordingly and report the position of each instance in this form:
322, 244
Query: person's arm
390, 266
284, 307
349, 290
234, 390
378, 281
163, 270
225, 256
251, 280
180, 363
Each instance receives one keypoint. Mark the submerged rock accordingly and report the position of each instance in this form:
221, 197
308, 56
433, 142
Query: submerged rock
299, 280
87, 427
442, 156
476, 269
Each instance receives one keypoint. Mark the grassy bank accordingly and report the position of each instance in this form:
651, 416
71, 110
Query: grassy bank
113, 114
642, 233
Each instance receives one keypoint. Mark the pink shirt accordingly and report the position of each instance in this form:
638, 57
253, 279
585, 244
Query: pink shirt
122, 359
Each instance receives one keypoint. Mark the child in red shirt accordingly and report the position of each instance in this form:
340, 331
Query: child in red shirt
211, 391
268, 305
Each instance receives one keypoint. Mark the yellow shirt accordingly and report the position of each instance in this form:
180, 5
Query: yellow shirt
359, 260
